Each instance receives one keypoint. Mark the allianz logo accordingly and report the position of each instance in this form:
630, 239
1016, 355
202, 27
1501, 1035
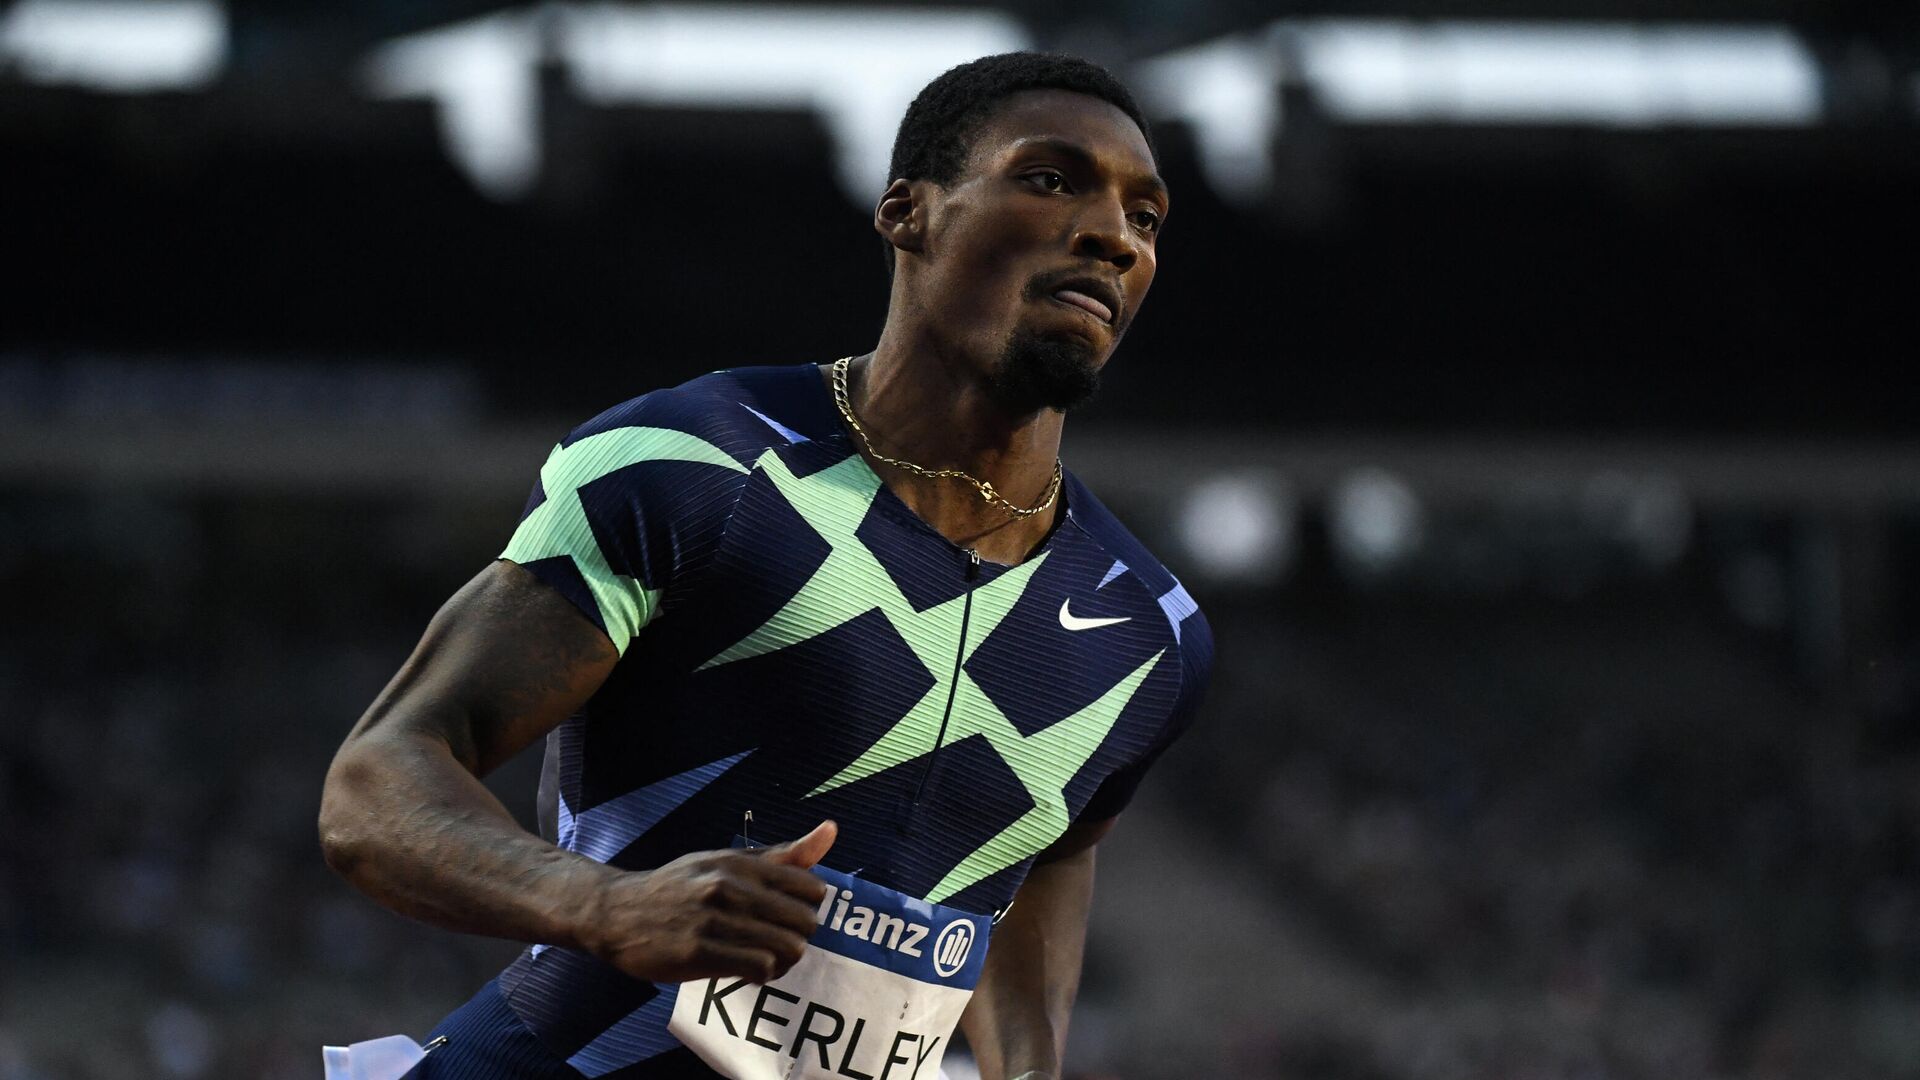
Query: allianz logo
839, 914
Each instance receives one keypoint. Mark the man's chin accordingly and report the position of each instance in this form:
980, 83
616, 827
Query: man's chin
1046, 371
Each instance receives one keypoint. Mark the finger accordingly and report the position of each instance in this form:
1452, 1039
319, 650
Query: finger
783, 909
802, 885
782, 944
805, 851
721, 959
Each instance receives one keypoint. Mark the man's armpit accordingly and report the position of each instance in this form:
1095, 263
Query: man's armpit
1079, 836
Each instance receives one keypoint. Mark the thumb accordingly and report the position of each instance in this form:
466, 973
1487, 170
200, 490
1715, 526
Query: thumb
805, 851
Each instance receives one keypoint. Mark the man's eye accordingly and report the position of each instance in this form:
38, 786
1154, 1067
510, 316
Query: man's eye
1147, 220
1048, 180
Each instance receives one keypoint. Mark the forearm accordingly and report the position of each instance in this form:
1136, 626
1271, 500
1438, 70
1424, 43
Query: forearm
409, 825
1017, 1021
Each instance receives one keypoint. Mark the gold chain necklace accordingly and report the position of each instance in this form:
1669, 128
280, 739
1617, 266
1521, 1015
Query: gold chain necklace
987, 492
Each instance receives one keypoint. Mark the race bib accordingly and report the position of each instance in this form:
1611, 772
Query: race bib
876, 996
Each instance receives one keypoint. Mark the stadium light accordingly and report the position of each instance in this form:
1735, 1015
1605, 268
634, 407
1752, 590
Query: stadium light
1239, 527
1224, 90
123, 46
1375, 520
856, 67
1611, 74
484, 76
1395, 71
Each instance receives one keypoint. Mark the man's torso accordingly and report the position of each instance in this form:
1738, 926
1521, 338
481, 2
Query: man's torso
801, 646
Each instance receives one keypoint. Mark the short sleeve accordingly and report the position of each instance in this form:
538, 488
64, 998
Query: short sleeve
1196, 661
620, 509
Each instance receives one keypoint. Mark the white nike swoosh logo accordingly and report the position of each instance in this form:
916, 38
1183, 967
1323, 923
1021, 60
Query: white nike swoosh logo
1073, 622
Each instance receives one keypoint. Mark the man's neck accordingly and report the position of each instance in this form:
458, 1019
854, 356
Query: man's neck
934, 410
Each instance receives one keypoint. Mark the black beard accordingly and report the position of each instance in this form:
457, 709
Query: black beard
1036, 373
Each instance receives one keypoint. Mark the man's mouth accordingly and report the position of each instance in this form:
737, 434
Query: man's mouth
1091, 295
1086, 303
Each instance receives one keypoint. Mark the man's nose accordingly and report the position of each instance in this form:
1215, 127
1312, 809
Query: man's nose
1101, 233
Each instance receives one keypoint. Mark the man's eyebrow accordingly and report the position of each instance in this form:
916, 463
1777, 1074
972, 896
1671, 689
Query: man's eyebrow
1083, 157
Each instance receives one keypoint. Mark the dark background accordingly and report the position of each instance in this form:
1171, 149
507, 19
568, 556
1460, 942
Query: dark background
1442, 278
1552, 488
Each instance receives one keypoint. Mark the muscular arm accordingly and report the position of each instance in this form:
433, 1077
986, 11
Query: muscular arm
405, 817
1017, 1021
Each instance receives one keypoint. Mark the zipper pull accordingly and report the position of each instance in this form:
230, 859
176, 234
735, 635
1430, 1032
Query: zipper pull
973, 564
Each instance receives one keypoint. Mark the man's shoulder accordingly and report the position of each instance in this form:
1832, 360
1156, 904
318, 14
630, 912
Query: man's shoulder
1092, 517
1131, 556
738, 411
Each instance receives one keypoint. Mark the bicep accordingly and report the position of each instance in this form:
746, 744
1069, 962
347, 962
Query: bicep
505, 660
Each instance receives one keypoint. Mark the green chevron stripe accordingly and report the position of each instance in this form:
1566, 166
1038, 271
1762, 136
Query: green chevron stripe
559, 526
1045, 761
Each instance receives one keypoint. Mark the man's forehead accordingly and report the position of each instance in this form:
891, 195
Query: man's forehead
1035, 117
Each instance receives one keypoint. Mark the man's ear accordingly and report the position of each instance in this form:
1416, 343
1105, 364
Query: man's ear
901, 218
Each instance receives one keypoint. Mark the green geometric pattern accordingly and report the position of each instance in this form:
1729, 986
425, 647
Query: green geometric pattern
850, 583
1044, 761
559, 525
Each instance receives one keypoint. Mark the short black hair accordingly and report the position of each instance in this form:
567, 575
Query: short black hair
937, 133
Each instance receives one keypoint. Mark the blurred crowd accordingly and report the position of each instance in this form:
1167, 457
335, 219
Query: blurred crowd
1575, 843
1607, 838
174, 675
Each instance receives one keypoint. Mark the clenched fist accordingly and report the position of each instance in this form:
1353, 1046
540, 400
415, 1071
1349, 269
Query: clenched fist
744, 913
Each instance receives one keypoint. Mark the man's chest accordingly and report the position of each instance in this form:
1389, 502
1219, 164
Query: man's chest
887, 675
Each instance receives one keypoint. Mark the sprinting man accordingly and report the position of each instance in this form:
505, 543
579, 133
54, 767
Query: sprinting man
858, 607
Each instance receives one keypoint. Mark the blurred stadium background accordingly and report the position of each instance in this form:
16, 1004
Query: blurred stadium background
1520, 396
